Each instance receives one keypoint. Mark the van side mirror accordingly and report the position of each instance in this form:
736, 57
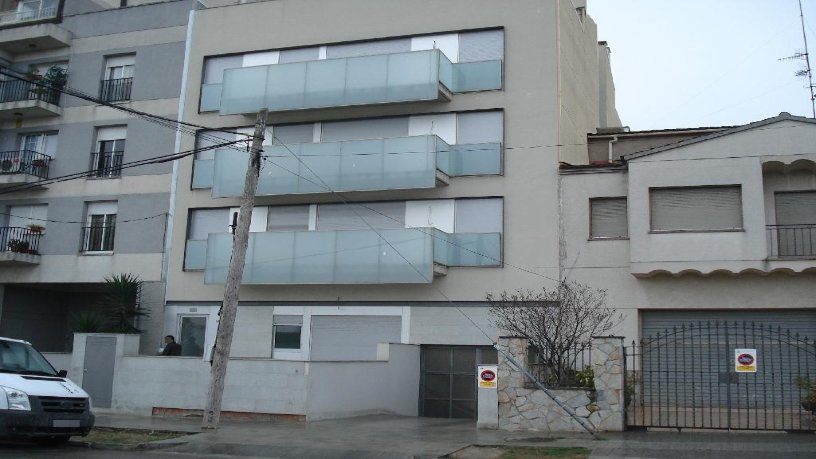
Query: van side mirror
62, 373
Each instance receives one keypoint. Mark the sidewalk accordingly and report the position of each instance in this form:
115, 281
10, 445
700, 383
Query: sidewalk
403, 437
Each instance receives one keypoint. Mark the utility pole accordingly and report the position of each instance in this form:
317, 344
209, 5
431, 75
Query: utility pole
226, 324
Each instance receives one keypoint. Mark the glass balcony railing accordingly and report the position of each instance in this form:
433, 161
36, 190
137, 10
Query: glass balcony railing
387, 78
386, 256
357, 165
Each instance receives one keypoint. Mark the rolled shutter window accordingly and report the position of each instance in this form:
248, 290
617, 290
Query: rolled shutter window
705, 208
608, 218
796, 208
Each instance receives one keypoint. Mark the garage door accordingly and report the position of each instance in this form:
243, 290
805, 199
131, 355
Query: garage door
448, 382
802, 322
682, 373
352, 337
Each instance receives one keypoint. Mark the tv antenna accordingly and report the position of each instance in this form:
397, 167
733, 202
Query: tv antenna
804, 55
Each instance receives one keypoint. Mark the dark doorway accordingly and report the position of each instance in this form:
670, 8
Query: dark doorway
448, 382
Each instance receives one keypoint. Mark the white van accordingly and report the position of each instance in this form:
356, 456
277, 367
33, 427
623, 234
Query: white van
37, 401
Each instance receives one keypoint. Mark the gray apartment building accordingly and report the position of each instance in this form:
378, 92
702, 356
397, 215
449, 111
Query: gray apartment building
410, 168
60, 239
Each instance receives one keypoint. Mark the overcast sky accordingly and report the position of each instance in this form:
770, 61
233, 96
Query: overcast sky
696, 63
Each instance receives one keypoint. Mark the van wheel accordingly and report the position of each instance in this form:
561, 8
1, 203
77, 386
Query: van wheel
53, 441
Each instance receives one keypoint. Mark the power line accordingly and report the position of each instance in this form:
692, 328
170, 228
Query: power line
92, 172
182, 126
130, 220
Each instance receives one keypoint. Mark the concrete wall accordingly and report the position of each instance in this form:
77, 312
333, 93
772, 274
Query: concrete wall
578, 81
59, 360
341, 389
314, 390
260, 386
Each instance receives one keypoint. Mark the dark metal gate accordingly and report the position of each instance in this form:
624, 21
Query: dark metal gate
686, 378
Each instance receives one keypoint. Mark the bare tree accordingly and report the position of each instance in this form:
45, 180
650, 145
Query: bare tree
558, 322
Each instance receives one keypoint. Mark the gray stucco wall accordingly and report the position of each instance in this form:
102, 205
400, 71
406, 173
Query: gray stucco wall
157, 72
77, 141
390, 386
118, 20
67, 216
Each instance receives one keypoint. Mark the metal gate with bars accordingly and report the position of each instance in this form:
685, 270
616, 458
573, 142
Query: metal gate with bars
685, 377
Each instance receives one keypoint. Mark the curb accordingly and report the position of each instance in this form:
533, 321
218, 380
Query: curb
161, 444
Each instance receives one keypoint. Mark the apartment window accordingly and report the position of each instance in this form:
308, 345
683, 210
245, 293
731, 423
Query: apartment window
206, 221
288, 218
478, 215
286, 331
796, 208
380, 215
608, 218
40, 142
118, 78
32, 10
100, 227
701, 208
106, 161
26, 224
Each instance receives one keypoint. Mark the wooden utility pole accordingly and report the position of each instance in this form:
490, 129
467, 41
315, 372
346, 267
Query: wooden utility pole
226, 324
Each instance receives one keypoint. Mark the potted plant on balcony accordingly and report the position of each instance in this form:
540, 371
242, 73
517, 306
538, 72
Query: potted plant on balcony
809, 399
56, 77
18, 245
35, 228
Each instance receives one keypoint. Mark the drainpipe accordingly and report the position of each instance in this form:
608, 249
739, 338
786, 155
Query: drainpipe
614, 139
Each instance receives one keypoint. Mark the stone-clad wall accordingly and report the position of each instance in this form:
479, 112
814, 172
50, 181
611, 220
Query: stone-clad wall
521, 408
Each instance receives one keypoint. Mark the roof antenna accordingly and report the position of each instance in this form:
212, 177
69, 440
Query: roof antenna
805, 72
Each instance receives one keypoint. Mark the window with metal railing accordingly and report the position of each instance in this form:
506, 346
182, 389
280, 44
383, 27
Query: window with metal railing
115, 90
98, 236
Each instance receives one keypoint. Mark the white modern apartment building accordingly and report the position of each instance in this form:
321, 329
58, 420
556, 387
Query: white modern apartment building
411, 167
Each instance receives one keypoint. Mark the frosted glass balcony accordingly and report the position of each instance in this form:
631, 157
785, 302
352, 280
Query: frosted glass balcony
195, 255
357, 165
326, 257
386, 256
203, 173
467, 249
387, 78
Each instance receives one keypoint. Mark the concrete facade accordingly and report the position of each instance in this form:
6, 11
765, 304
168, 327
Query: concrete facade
549, 59
66, 279
694, 271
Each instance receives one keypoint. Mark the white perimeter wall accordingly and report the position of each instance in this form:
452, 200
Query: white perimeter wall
317, 390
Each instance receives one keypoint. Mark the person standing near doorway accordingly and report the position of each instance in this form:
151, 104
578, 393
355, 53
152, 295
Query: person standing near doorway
171, 347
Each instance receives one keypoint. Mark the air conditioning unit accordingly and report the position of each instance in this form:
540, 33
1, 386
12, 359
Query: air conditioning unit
10, 164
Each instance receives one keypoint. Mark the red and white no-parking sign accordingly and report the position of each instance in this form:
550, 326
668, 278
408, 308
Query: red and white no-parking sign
487, 376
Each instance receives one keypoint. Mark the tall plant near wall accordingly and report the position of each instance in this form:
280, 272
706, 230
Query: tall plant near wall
121, 303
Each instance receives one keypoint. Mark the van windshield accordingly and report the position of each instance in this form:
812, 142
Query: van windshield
23, 359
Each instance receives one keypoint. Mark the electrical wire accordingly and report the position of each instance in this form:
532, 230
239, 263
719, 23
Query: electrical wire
132, 164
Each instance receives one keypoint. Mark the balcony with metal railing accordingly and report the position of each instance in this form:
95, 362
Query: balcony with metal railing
413, 76
357, 165
24, 98
791, 241
115, 90
23, 166
384, 256
31, 26
19, 246
106, 164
